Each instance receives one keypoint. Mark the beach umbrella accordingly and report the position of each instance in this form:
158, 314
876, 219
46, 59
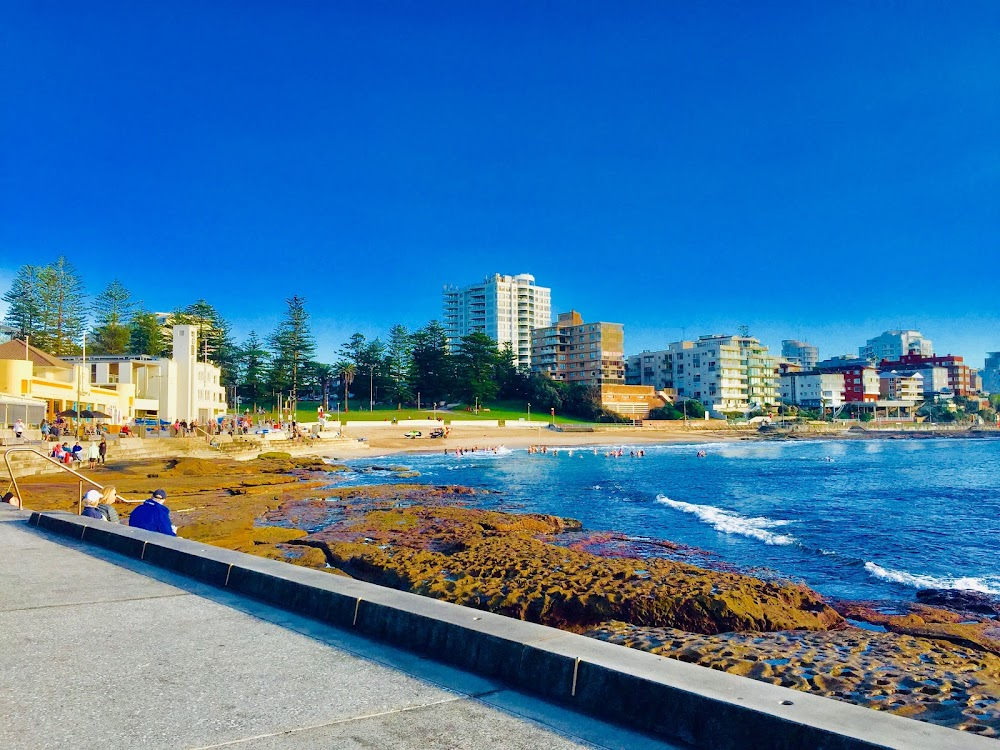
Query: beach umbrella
88, 414
68, 413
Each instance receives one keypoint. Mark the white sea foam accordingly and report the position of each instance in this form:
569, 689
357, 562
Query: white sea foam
729, 522
985, 585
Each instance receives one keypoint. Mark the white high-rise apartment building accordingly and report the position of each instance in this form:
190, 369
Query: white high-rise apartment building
800, 353
892, 345
727, 374
505, 308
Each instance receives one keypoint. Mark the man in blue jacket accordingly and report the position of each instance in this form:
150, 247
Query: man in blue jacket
153, 515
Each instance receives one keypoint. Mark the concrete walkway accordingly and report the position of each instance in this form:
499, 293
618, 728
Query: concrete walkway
100, 651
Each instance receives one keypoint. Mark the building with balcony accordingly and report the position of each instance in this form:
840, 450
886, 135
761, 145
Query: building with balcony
505, 308
905, 385
579, 352
893, 345
961, 381
813, 389
179, 387
727, 374
800, 353
651, 368
44, 385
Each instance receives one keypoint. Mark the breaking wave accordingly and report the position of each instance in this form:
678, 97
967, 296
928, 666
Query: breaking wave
984, 585
729, 522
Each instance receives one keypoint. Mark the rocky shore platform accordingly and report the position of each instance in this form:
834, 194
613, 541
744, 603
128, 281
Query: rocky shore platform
936, 660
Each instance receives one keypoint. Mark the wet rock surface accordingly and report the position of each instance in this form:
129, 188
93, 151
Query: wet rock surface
918, 677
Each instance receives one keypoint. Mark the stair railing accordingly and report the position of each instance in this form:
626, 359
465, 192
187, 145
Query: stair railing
28, 449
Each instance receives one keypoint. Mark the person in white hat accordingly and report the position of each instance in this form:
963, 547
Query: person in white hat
90, 501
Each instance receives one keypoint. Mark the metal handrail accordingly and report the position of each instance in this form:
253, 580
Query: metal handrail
28, 449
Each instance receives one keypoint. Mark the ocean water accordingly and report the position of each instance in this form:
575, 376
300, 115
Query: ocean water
873, 519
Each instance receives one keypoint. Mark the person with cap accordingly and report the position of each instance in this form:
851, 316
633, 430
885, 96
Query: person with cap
90, 501
153, 515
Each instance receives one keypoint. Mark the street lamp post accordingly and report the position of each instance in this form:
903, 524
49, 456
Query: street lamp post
529, 411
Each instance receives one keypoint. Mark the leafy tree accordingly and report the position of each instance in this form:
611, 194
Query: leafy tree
431, 371
509, 378
399, 354
476, 364
146, 335
666, 412
253, 362
112, 312
692, 408
24, 309
62, 307
323, 375
347, 371
354, 350
292, 345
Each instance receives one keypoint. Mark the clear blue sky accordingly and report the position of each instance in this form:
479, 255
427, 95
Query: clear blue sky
814, 170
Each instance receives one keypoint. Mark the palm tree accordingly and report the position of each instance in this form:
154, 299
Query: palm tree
347, 372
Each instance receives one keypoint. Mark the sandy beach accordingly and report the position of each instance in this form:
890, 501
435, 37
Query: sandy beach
384, 441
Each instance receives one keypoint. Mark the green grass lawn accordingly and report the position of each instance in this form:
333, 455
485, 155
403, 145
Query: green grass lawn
507, 410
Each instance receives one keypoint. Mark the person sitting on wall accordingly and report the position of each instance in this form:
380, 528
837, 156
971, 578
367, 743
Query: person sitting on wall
153, 515
108, 497
77, 451
90, 501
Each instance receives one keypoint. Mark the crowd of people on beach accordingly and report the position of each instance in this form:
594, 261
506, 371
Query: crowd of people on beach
96, 453
494, 449
619, 453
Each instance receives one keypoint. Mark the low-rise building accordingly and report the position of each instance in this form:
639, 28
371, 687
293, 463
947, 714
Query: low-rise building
904, 385
55, 385
179, 387
813, 389
631, 400
578, 352
861, 382
960, 380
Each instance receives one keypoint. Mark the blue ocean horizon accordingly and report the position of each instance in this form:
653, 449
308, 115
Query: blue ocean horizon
854, 519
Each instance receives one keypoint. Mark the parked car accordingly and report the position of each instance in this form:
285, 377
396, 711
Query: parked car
412, 434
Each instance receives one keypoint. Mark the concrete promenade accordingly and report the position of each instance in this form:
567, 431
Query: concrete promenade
102, 651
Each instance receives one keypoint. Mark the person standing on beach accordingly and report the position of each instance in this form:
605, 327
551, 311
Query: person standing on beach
93, 453
102, 451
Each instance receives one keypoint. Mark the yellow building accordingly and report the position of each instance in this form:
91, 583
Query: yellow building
27, 372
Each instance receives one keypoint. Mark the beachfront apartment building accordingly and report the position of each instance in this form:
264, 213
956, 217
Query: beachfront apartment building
961, 378
505, 308
800, 353
813, 389
905, 385
651, 368
579, 352
727, 374
893, 345
861, 382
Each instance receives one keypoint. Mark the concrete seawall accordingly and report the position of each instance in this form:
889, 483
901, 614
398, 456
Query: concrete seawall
680, 701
